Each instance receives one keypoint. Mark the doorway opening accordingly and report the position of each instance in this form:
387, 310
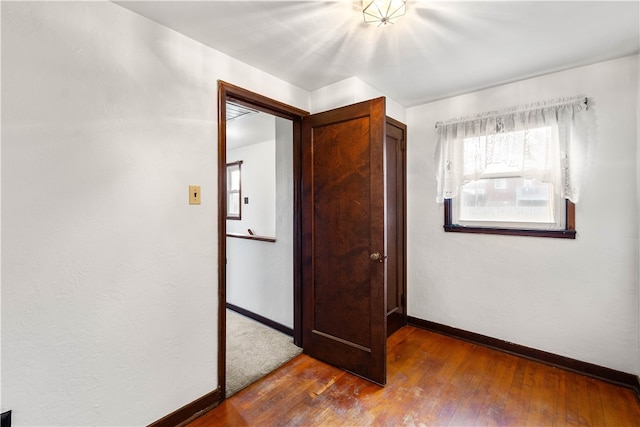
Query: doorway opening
355, 149
231, 99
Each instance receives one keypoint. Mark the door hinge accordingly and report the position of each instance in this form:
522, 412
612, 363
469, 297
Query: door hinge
403, 299
403, 144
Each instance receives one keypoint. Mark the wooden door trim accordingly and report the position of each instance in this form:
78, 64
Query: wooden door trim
226, 92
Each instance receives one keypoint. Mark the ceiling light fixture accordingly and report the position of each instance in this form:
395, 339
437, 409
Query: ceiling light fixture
383, 12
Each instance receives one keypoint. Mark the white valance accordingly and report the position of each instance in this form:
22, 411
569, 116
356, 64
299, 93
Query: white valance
546, 141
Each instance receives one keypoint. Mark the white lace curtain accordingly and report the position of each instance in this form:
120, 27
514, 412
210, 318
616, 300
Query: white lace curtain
546, 140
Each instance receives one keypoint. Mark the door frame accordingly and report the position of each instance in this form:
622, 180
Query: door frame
229, 92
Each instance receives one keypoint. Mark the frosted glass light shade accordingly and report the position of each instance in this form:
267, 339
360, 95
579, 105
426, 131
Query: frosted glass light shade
383, 12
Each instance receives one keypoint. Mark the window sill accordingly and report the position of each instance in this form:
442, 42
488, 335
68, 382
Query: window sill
558, 234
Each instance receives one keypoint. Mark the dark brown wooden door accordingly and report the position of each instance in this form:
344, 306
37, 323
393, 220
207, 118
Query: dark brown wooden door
343, 228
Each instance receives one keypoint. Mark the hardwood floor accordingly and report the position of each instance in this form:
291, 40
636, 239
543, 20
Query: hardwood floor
433, 380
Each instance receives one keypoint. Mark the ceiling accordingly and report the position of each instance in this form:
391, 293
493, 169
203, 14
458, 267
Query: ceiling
437, 50
250, 129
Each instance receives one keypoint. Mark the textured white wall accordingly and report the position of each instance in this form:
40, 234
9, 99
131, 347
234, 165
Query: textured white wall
574, 298
260, 274
258, 172
109, 277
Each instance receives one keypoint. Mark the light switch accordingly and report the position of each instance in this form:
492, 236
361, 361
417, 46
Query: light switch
194, 194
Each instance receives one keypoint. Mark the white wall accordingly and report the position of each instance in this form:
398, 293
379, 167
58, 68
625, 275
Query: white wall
109, 277
350, 91
258, 173
577, 298
260, 274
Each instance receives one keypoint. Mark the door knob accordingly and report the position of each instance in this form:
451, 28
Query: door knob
377, 256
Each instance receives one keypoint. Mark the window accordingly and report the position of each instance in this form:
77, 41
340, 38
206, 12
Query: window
516, 172
234, 190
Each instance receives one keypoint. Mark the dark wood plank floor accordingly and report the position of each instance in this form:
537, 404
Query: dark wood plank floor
432, 380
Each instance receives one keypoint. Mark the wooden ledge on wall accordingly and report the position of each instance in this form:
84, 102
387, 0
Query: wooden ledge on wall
252, 237
609, 375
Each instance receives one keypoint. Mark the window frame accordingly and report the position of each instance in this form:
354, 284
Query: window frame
229, 216
569, 232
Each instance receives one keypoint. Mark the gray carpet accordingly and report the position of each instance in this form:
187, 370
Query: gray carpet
253, 351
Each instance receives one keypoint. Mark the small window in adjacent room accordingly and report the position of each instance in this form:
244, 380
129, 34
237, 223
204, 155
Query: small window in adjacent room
515, 172
234, 190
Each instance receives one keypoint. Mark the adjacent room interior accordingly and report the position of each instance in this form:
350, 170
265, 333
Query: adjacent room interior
259, 245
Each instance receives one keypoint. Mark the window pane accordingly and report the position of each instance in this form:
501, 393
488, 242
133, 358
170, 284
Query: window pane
233, 204
507, 153
233, 190
234, 179
507, 200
